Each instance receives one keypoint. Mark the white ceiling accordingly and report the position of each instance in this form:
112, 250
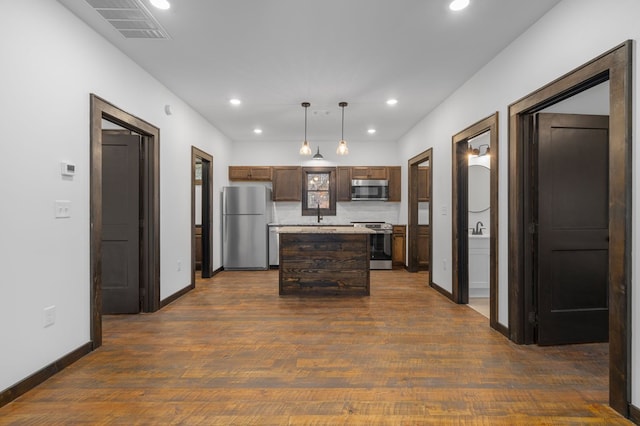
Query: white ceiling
275, 54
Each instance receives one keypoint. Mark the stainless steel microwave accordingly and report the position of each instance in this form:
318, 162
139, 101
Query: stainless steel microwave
369, 190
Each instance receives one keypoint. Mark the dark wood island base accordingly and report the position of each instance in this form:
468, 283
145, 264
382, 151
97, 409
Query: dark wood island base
324, 262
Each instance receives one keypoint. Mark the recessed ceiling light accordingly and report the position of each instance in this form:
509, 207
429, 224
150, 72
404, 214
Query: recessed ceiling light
371, 131
235, 101
392, 101
456, 5
161, 4
257, 131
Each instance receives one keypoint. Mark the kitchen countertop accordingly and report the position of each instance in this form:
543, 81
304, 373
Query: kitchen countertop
323, 229
311, 224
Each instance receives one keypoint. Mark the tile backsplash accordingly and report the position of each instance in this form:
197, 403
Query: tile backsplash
290, 213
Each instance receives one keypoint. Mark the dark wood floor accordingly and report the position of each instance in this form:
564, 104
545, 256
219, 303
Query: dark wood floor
234, 352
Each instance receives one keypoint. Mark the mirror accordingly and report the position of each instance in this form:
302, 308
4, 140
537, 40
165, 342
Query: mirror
479, 188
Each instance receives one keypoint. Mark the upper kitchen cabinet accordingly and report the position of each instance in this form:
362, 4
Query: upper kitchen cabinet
395, 183
343, 184
287, 183
374, 172
250, 173
423, 184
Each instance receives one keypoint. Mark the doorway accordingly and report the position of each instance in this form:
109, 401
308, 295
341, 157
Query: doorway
201, 214
475, 245
149, 205
420, 243
613, 66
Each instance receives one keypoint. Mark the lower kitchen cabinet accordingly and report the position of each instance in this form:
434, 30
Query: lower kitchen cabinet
399, 244
424, 247
198, 247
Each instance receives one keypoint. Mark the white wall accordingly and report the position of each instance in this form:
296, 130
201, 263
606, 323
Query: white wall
268, 153
48, 72
573, 33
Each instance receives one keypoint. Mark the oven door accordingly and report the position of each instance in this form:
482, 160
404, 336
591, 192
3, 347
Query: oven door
380, 250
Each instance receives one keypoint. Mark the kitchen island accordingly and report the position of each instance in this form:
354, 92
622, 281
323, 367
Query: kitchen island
324, 260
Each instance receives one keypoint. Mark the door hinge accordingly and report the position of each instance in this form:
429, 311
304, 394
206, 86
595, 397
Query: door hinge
141, 223
533, 228
533, 318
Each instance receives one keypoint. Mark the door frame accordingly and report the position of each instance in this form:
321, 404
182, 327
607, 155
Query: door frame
413, 163
150, 204
615, 66
460, 202
207, 198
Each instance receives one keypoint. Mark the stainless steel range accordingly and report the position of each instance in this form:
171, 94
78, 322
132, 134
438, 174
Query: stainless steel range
380, 244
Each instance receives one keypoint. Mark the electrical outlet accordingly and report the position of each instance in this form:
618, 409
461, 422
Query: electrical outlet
179, 265
49, 317
444, 265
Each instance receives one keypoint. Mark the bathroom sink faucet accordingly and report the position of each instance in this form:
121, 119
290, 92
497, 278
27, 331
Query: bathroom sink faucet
477, 230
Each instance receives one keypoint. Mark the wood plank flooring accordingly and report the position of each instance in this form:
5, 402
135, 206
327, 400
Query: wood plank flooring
233, 352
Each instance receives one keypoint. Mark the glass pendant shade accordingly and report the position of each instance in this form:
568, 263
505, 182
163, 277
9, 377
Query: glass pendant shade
342, 145
342, 148
305, 149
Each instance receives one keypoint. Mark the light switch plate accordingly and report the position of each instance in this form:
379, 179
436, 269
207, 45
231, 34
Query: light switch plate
49, 317
62, 209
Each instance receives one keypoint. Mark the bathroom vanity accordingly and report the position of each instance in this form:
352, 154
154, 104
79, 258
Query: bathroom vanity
479, 266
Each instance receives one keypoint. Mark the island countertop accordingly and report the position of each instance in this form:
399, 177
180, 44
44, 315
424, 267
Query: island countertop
323, 229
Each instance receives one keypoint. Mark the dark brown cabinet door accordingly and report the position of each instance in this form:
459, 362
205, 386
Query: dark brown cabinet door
343, 184
423, 184
250, 173
573, 206
424, 247
398, 250
395, 183
120, 223
370, 172
287, 183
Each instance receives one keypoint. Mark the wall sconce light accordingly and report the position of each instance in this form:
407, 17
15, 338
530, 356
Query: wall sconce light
477, 152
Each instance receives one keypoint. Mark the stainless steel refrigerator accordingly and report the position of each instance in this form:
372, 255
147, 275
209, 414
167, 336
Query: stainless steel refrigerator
246, 213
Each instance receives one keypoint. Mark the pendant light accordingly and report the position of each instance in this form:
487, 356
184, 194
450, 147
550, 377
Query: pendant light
305, 149
318, 156
342, 146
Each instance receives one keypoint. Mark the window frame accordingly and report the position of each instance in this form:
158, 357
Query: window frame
313, 211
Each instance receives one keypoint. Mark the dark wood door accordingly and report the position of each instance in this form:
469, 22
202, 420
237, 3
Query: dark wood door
206, 222
573, 168
120, 223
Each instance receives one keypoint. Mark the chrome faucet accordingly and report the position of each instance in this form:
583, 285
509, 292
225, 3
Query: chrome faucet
477, 230
319, 217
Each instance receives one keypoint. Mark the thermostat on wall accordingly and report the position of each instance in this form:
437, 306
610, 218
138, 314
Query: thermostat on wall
67, 169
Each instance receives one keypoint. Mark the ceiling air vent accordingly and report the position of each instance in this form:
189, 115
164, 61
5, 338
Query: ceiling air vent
130, 17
